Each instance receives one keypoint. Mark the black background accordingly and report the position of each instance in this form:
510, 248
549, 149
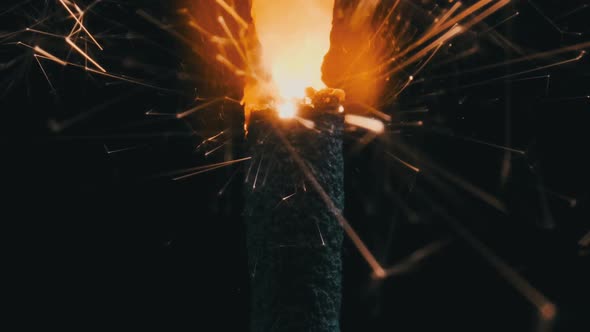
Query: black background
97, 239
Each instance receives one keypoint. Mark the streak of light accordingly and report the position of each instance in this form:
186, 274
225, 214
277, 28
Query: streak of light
152, 113
210, 139
44, 73
470, 10
531, 78
305, 122
171, 31
469, 187
206, 168
375, 34
587, 97
500, 23
257, 171
222, 190
217, 148
373, 125
497, 146
446, 15
288, 196
459, 56
48, 55
285, 199
198, 108
197, 27
559, 63
571, 12
417, 71
84, 54
224, 61
416, 57
545, 307
410, 79
231, 37
44, 33
350, 232
410, 124
230, 10
416, 110
534, 56
80, 24
123, 78
491, 10
572, 202
109, 151
550, 21
416, 258
15, 6
405, 163
196, 173
247, 178
317, 224
378, 113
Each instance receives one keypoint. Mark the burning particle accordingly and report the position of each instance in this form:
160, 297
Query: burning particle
373, 125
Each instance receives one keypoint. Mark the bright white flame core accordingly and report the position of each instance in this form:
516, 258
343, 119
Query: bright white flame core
295, 37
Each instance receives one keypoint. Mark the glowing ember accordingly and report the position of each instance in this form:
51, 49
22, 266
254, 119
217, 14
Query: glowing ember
295, 36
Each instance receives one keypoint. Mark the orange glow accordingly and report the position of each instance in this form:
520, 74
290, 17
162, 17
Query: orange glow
287, 109
295, 37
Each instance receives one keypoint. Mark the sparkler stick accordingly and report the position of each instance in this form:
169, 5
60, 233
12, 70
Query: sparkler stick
294, 239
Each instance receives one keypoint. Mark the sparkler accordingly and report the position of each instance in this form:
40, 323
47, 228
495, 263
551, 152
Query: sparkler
294, 182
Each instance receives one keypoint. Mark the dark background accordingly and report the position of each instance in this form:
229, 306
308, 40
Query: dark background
99, 239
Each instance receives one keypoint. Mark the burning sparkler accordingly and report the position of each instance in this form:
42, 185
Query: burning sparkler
306, 70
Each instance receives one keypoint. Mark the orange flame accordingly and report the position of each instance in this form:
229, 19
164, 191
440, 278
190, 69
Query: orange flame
295, 37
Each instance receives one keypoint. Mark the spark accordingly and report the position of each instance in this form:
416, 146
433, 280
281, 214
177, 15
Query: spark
212, 138
378, 113
573, 11
543, 305
415, 258
423, 109
44, 33
86, 56
109, 151
44, 73
222, 190
217, 148
572, 202
152, 113
198, 108
257, 171
306, 123
580, 55
497, 146
230, 10
550, 21
206, 168
500, 23
48, 55
81, 25
405, 163
408, 81
288, 196
534, 56
317, 224
373, 125
232, 38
